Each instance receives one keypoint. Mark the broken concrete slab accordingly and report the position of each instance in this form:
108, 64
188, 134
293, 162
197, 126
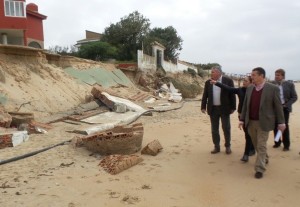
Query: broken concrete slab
110, 101
107, 120
12, 138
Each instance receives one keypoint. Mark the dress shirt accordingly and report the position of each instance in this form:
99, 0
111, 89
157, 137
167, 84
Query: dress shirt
217, 93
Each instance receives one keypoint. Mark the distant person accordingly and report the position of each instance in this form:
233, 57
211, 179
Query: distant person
219, 104
288, 96
261, 109
241, 91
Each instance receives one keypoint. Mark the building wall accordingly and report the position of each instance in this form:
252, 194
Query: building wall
26, 30
35, 28
184, 66
11, 22
146, 62
170, 67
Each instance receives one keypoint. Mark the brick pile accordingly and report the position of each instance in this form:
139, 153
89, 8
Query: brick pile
119, 140
6, 140
115, 164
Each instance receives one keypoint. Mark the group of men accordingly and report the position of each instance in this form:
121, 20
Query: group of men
266, 107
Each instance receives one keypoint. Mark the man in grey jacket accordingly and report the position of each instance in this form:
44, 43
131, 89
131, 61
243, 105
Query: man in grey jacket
261, 110
288, 96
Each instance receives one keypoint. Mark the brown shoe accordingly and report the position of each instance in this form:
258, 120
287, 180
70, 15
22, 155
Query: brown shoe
228, 150
215, 151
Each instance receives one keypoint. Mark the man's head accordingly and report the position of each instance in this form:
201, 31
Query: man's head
216, 72
258, 75
279, 75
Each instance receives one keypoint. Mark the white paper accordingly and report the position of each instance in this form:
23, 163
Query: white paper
278, 136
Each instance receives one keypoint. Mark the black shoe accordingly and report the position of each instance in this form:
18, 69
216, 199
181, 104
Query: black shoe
245, 158
276, 145
252, 152
286, 149
228, 150
258, 175
215, 151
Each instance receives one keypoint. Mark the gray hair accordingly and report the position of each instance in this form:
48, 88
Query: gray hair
217, 67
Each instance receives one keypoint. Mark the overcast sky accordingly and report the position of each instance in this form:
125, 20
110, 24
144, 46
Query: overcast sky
239, 35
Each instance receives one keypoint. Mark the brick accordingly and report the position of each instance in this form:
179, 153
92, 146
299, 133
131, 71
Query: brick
12, 139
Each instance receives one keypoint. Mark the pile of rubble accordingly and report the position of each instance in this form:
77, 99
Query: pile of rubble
116, 137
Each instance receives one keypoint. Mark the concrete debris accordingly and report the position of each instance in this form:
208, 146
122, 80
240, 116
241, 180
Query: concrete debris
140, 97
13, 138
86, 114
5, 119
110, 101
168, 91
19, 118
120, 108
150, 100
119, 140
153, 148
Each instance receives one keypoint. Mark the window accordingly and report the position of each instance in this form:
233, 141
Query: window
14, 8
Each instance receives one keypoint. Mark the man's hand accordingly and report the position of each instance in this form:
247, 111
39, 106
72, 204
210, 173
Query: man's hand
241, 124
212, 81
281, 127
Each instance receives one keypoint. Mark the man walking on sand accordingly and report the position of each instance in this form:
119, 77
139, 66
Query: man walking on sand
288, 96
261, 110
219, 104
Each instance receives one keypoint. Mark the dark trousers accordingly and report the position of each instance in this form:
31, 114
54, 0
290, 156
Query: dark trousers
215, 117
286, 132
248, 145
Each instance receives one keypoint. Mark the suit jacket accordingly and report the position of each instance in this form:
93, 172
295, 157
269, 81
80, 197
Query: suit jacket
270, 107
289, 94
228, 101
240, 92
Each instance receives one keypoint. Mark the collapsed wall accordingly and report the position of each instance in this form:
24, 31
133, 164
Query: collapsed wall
32, 80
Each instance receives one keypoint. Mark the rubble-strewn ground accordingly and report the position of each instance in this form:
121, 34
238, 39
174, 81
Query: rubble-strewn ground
183, 174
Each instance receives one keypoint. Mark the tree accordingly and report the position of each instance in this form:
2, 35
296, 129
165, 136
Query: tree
72, 50
128, 35
205, 67
97, 51
167, 37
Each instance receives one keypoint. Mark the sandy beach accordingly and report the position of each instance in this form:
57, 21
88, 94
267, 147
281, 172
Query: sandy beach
183, 174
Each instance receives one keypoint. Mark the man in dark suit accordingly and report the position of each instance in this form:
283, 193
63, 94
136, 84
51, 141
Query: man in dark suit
219, 104
288, 96
261, 110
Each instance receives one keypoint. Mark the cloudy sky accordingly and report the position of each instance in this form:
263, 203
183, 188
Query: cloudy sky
239, 35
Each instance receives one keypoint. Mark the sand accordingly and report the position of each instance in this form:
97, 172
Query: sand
183, 174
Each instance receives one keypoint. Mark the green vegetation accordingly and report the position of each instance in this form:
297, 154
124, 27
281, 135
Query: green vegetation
121, 41
187, 90
99, 51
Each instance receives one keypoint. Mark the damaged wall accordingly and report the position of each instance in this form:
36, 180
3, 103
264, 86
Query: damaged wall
35, 80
